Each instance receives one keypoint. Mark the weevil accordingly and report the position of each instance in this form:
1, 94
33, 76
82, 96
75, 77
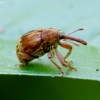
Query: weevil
38, 42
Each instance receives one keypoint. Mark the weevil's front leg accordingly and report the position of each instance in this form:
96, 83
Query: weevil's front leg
24, 59
62, 60
50, 56
67, 46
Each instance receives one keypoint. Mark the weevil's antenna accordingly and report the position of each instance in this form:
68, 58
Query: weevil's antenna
76, 30
74, 43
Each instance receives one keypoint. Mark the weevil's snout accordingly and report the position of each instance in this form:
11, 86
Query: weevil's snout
63, 36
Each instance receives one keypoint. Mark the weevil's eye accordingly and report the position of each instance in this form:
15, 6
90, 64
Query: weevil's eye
61, 36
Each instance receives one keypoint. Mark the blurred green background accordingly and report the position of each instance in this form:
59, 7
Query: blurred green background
19, 16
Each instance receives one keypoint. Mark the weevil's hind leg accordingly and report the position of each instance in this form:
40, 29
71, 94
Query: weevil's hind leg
62, 60
24, 63
66, 46
50, 56
24, 58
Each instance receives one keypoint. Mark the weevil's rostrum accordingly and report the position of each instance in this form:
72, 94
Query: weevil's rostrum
38, 42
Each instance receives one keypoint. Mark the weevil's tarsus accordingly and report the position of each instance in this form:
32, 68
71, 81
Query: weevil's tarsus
63, 61
68, 64
22, 64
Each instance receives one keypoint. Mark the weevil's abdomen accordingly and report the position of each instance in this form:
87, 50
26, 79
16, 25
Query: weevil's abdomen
30, 43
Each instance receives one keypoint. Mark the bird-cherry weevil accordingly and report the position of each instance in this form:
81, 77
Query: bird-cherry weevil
38, 42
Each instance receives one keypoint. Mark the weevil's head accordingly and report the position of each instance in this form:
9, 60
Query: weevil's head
53, 36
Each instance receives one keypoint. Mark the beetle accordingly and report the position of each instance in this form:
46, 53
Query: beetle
38, 42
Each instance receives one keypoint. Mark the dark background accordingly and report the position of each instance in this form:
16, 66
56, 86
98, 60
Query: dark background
47, 88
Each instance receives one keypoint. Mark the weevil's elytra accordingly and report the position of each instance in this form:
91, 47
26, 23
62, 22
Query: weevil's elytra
38, 42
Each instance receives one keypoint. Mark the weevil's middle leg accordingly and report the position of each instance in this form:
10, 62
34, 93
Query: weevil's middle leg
63, 61
50, 56
66, 46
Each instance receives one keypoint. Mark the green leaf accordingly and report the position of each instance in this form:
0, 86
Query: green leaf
43, 15
85, 59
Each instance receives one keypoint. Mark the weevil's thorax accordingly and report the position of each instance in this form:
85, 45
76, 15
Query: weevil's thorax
50, 39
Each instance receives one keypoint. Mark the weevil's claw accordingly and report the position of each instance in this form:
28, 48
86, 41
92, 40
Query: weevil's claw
72, 68
68, 63
62, 74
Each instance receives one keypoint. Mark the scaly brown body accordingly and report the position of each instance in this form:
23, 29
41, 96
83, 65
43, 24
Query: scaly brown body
38, 42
